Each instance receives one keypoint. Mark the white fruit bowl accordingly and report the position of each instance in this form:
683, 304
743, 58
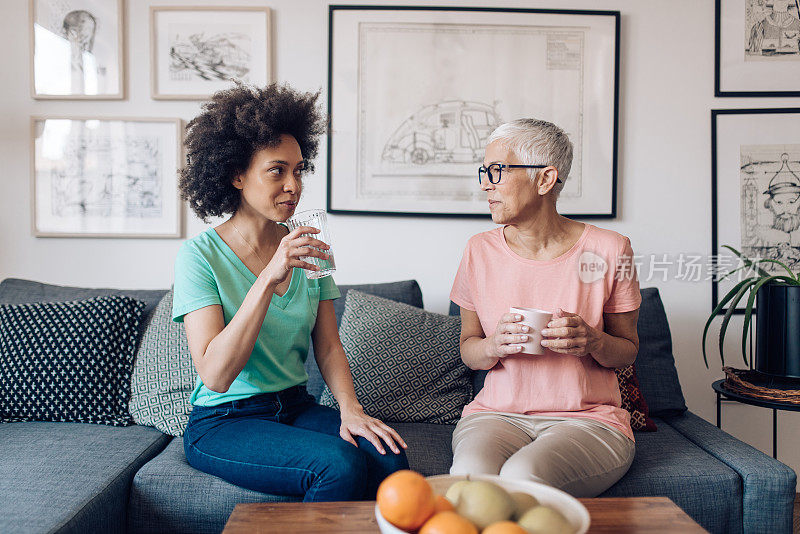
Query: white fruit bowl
569, 506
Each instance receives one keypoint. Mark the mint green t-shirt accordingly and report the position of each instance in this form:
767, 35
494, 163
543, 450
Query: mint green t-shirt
208, 272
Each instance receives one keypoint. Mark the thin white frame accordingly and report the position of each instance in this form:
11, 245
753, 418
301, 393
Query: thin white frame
179, 156
119, 95
154, 94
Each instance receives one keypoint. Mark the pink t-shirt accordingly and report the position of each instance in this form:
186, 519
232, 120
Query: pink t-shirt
595, 276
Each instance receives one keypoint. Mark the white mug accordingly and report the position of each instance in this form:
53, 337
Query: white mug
536, 320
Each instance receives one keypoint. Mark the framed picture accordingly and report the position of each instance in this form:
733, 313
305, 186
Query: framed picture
77, 49
196, 51
755, 190
106, 177
414, 93
757, 48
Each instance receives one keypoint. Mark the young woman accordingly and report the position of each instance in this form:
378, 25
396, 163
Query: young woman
249, 309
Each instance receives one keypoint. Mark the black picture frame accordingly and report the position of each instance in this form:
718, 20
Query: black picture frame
715, 186
718, 89
606, 213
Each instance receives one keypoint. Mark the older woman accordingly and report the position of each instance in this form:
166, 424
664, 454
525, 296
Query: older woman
248, 310
556, 417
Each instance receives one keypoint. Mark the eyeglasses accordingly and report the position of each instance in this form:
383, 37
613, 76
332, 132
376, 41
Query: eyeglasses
494, 172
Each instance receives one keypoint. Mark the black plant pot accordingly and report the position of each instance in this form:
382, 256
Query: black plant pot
778, 330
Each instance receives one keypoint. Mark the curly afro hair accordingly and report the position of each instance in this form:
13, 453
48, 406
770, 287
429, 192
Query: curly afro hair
232, 127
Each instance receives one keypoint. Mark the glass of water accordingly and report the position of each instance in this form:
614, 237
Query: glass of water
316, 219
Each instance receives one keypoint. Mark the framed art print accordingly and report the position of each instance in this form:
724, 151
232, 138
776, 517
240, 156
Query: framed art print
755, 190
196, 51
414, 93
106, 177
77, 49
757, 48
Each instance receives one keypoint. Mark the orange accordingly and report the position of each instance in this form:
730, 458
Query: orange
405, 499
504, 527
448, 523
442, 504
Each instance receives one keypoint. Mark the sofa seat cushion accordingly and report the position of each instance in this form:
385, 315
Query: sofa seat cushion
169, 495
430, 449
668, 464
70, 477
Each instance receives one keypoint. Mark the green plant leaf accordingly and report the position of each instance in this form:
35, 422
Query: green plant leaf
748, 311
717, 309
729, 313
747, 261
791, 274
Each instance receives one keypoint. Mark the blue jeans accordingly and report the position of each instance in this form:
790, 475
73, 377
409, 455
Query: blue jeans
284, 443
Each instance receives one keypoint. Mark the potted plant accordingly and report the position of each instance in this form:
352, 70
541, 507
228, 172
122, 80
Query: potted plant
778, 310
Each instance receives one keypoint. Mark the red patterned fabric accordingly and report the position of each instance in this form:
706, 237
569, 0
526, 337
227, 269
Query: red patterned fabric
632, 399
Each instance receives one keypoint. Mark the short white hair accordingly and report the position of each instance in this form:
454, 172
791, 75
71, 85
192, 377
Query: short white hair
537, 142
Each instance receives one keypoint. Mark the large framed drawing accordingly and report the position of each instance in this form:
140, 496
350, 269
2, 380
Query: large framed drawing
414, 93
196, 51
105, 177
77, 49
755, 189
757, 48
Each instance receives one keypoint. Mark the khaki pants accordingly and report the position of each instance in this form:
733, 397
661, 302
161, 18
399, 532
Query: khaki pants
580, 456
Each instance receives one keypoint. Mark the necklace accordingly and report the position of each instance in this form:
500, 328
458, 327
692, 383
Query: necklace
246, 242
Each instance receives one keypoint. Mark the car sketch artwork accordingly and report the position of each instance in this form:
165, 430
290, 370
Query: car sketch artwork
453, 131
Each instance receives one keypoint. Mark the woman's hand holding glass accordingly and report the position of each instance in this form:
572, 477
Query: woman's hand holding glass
568, 333
507, 336
292, 247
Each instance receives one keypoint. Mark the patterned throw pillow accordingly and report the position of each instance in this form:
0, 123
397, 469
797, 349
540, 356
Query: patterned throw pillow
163, 376
68, 361
632, 399
406, 362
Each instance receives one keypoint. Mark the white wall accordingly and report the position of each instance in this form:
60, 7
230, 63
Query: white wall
664, 200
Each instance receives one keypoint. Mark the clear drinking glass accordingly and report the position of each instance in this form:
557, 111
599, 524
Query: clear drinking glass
316, 219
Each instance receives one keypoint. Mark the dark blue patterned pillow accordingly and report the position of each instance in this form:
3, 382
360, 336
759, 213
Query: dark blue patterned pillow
406, 362
68, 361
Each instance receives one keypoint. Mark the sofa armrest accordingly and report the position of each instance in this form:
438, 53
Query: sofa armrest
768, 486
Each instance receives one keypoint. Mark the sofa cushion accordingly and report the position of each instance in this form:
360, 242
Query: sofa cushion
70, 477
632, 399
429, 449
168, 495
655, 365
18, 291
163, 375
668, 464
405, 361
68, 361
407, 291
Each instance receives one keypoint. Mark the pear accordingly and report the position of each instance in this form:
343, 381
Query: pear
522, 503
545, 520
484, 503
454, 491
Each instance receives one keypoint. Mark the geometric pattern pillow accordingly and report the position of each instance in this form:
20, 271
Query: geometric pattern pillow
68, 361
405, 361
163, 375
632, 399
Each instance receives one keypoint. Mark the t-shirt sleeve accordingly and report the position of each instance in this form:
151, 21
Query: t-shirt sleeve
462, 292
625, 295
195, 284
328, 289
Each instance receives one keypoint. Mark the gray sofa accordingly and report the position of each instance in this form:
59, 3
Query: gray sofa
69, 477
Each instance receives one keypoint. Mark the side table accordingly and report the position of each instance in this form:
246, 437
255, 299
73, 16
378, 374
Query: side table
724, 394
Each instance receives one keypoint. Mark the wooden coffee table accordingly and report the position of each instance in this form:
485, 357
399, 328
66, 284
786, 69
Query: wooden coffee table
617, 515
